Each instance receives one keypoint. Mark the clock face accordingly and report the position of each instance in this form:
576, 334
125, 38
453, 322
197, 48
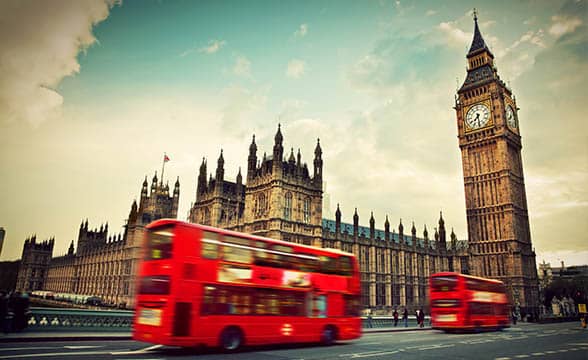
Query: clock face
510, 117
477, 116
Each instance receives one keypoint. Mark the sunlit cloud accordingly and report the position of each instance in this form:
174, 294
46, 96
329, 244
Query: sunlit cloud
430, 12
563, 24
454, 35
295, 69
242, 66
34, 59
301, 31
213, 46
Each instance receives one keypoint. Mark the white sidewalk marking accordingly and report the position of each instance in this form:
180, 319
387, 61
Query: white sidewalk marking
74, 347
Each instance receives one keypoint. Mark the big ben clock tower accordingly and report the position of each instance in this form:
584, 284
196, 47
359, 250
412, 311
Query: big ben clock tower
496, 204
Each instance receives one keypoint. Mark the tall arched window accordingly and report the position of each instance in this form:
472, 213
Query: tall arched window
288, 206
306, 211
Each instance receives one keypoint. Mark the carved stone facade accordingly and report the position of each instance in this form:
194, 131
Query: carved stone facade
496, 205
35, 260
280, 198
101, 265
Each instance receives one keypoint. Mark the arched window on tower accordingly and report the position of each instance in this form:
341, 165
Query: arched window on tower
288, 206
306, 211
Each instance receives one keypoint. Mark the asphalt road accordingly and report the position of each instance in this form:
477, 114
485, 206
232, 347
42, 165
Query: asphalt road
533, 341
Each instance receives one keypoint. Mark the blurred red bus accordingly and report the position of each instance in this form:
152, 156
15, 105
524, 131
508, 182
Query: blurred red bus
464, 302
200, 285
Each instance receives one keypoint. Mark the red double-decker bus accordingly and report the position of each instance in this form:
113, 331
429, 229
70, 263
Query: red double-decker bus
464, 302
200, 285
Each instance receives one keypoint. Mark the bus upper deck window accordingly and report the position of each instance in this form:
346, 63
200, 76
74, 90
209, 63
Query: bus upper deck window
209, 245
159, 243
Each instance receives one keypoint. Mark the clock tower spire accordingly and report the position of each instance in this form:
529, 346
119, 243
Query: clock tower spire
499, 235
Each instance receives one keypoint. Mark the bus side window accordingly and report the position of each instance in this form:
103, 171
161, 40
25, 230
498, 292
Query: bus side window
208, 300
344, 267
237, 250
328, 265
209, 245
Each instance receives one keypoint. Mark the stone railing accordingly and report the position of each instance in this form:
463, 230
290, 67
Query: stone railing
60, 319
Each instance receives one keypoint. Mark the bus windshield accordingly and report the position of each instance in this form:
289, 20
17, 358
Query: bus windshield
159, 243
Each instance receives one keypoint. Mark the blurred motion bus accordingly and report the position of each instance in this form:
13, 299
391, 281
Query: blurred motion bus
464, 302
200, 285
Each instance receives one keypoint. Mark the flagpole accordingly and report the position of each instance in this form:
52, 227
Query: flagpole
162, 168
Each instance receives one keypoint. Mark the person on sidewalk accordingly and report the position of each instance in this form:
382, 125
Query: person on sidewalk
421, 318
395, 315
369, 319
405, 317
514, 317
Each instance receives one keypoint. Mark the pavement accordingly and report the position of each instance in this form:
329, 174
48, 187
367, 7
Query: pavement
32, 336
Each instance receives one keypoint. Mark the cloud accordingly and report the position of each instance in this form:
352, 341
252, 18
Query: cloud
295, 69
563, 25
34, 59
430, 12
455, 36
242, 66
213, 46
301, 31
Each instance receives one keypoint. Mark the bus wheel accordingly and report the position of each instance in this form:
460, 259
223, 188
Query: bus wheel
231, 339
328, 335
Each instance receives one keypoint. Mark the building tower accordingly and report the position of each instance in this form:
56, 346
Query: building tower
35, 260
282, 199
496, 204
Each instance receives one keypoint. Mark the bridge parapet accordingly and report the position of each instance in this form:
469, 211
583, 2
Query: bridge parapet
61, 319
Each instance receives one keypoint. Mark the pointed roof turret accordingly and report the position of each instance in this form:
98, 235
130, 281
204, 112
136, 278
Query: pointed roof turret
291, 159
478, 43
317, 150
279, 138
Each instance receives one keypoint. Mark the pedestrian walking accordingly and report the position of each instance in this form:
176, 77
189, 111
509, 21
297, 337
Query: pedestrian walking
395, 315
369, 318
421, 318
514, 317
405, 317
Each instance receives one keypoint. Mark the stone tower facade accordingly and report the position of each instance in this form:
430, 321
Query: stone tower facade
34, 265
280, 198
496, 205
102, 264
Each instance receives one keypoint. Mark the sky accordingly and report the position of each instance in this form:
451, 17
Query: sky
93, 93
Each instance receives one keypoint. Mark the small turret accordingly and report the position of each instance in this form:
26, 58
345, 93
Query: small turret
413, 235
318, 161
387, 229
252, 160
442, 238
278, 148
337, 221
400, 232
355, 223
372, 226
177, 187
220, 170
154, 182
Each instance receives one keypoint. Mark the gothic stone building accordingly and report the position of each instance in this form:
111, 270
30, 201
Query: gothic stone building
103, 265
496, 204
280, 199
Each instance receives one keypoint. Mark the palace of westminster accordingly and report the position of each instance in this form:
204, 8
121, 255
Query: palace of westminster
280, 198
